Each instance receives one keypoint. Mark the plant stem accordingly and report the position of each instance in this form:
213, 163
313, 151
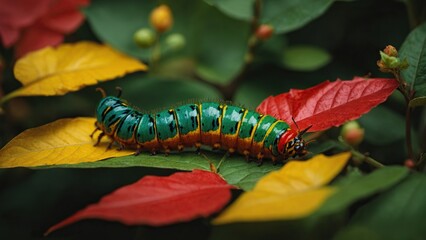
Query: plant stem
366, 159
360, 156
155, 52
408, 132
408, 95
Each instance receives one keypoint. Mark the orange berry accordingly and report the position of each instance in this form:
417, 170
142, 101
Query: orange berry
161, 18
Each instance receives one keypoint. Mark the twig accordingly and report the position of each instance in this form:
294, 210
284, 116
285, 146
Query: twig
366, 159
408, 95
360, 156
155, 52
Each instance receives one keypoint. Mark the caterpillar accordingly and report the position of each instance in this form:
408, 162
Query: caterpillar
218, 125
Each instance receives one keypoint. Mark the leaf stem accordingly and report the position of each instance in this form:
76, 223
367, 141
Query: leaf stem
7, 97
225, 156
408, 132
367, 159
408, 94
360, 156
156, 51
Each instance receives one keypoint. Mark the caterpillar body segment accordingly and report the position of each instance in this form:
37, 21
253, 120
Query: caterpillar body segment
220, 126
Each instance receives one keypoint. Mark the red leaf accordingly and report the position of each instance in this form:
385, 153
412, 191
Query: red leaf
158, 201
37, 37
64, 16
32, 25
17, 14
330, 103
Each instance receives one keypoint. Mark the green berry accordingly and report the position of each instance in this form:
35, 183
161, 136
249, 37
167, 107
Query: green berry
175, 41
144, 37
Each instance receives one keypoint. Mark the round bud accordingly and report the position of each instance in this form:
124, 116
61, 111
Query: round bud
144, 37
391, 51
264, 32
352, 133
409, 163
161, 18
175, 41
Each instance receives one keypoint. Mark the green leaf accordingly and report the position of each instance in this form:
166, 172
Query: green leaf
215, 42
235, 170
221, 45
288, 15
295, 191
417, 102
414, 50
362, 187
398, 213
239, 9
154, 93
383, 126
352, 174
305, 58
357, 232
321, 147
118, 29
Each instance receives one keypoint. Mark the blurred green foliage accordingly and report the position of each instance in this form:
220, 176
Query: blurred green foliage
346, 36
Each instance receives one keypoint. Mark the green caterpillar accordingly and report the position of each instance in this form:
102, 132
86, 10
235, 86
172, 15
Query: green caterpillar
219, 125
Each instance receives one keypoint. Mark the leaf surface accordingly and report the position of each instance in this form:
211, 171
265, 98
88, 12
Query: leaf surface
66, 144
239, 9
305, 58
362, 187
292, 192
159, 201
64, 141
217, 45
395, 214
383, 126
235, 170
330, 103
220, 51
70, 67
62, 17
17, 15
417, 102
414, 50
33, 25
288, 15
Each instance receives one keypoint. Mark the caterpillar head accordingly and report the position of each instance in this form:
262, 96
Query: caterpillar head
291, 144
296, 147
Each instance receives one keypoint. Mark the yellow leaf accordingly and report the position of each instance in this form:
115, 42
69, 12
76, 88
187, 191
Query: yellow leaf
263, 206
70, 67
65, 141
294, 191
297, 176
